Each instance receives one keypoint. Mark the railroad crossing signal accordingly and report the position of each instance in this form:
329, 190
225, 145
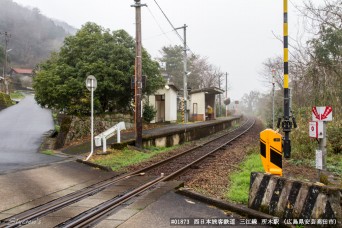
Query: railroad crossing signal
271, 151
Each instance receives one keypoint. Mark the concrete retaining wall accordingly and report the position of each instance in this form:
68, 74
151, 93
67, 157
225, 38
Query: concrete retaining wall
76, 128
188, 134
289, 199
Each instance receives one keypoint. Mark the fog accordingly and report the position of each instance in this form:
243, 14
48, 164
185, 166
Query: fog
236, 36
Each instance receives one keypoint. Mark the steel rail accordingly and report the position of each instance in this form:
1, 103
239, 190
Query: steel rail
108, 206
59, 203
174, 174
142, 170
92, 217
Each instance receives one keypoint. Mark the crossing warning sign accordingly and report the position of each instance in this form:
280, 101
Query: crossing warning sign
316, 129
322, 113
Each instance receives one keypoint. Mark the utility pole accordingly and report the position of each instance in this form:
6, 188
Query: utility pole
4, 71
220, 112
185, 80
138, 75
273, 88
226, 93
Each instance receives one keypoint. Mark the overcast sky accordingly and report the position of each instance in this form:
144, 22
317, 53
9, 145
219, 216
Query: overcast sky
235, 35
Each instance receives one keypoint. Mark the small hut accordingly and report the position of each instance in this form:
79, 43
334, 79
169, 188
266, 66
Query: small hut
200, 100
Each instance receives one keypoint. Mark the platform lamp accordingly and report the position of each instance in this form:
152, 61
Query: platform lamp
91, 84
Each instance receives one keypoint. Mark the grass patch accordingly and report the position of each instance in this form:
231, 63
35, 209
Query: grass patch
48, 152
119, 159
54, 115
57, 128
334, 163
239, 187
17, 95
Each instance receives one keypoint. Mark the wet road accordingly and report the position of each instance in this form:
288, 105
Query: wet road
21, 133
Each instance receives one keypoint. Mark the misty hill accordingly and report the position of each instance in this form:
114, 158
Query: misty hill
68, 28
33, 35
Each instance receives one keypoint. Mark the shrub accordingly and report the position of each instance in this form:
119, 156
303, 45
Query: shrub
149, 113
303, 146
334, 133
5, 101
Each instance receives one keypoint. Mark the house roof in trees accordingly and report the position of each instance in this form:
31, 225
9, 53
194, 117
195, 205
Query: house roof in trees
26, 71
210, 90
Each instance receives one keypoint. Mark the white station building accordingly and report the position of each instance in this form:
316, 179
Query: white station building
165, 102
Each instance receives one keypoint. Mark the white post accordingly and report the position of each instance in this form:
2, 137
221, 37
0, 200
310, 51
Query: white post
104, 144
118, 139
273, 89
322, 156
273, 107
92, 121
323, 146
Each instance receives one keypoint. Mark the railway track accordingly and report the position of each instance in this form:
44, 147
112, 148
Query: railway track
165, 169
177, 164
54, 205
172, 167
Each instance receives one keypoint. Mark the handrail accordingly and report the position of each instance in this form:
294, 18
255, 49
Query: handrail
102, 138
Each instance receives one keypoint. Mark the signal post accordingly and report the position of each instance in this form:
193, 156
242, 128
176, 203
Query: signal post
273, 144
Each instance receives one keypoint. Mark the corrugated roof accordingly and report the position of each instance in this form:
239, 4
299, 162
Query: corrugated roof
172, 85
210, 90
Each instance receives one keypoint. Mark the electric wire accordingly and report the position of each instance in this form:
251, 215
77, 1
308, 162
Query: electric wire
161, 29
173, 27
180, 37
157, 35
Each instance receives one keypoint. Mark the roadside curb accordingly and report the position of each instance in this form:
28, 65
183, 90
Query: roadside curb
105, 168
240, 209
45, 137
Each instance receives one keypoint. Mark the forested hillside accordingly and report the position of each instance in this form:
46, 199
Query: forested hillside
33, 35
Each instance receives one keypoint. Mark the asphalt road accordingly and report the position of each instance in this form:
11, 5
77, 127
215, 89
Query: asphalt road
21, 133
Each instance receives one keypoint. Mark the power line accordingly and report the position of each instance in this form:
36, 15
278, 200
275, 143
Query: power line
161, 29
168, 20
157, 35
173, 27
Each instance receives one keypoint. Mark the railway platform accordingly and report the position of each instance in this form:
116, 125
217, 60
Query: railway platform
167, 135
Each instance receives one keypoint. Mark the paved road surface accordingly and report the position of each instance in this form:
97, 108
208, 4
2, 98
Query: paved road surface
21, 132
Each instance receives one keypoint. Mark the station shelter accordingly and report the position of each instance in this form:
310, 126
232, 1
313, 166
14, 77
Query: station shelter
200, 100
165, 103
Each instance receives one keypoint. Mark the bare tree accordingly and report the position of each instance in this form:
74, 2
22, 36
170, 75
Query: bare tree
250, 101
202, 73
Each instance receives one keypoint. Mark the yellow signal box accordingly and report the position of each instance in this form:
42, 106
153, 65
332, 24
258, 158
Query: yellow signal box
271, 151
